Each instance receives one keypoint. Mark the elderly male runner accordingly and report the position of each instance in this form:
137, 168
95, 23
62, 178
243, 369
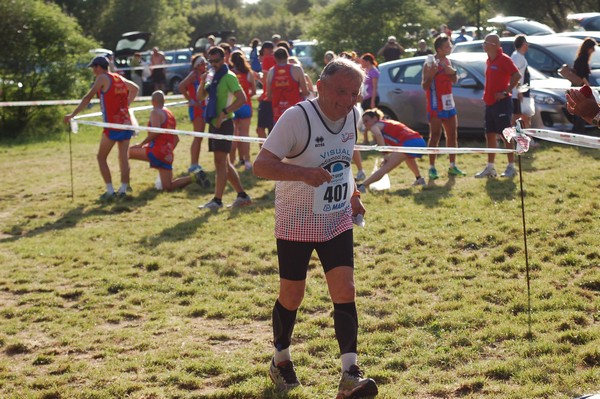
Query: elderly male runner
309, 153
115, 93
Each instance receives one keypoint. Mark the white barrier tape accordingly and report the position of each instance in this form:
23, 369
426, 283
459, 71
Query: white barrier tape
42, 102
410, 150
142, 108
73, 102
174, 132
159, 66
564, 138
433, 150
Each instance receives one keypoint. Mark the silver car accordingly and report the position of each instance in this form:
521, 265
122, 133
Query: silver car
402, 97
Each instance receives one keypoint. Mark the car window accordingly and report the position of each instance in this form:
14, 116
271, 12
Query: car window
468, 48
594, 24
302, 51
541, 60
183, 58
407, 74
169, 58
461, 74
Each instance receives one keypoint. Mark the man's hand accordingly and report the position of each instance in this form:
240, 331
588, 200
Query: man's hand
316, 176
357, 206
580, 105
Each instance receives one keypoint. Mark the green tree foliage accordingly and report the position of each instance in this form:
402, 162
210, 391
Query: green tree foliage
120, 16
297, 7
42, 57
553, 13
363, 25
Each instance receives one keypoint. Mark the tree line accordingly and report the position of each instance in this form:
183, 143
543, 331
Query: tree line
44, 45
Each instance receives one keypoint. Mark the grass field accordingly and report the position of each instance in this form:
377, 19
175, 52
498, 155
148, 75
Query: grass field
153, 298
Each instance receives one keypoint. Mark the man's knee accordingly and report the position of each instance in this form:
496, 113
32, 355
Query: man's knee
291, 296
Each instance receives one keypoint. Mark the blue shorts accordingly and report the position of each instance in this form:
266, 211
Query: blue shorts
442, 114
415, 143
244, 112
118, 135
193, 112
157, 163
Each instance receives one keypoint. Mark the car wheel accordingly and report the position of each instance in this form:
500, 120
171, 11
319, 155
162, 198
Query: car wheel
175, 85
388, 113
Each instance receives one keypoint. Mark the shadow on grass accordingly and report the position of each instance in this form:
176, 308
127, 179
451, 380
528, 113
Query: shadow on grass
81, 212
431, 195
434, 192
184, 230
502, 189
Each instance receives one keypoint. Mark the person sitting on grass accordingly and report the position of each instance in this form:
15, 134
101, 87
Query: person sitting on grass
392, 133
157, 148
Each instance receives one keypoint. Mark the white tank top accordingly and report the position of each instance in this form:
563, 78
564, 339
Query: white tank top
309, 214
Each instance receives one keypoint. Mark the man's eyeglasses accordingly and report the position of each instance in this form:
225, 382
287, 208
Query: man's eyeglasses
215, 60
490, 43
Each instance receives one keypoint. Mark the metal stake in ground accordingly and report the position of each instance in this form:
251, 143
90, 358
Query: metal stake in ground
526, 251
71, 165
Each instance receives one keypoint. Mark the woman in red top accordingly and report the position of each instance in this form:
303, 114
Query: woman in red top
188, 88
392, 133
242, 117
438, 78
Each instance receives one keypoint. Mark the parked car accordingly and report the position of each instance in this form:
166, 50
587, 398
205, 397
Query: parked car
582, 34
180, 65
587, 20
127, 45
200, 42
517, 25
546, 53
304, 50
402, 97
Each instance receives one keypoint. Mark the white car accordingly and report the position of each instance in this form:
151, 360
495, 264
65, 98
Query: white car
401, 96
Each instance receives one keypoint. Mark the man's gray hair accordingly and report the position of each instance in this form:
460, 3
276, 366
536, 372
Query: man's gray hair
342, 65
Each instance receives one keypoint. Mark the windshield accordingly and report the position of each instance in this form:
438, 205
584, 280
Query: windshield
126, 44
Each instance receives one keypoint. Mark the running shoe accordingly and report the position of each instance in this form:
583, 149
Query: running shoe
248, 165
489, 171
200, 177
106, 197
361, 188
509, 172
433, 174
353, 385
212, 205
454, 171
121, 195
419, 182
240, 202
283, 375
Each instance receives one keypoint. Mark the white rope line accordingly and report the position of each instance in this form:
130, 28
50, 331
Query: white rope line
245, 139
564, 138
73, 102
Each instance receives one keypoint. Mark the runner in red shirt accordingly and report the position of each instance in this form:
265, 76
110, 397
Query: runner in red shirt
501, 77
157, 148
286, 85
115, 93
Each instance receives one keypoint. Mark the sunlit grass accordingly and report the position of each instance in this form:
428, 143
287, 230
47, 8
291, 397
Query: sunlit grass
154, 298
